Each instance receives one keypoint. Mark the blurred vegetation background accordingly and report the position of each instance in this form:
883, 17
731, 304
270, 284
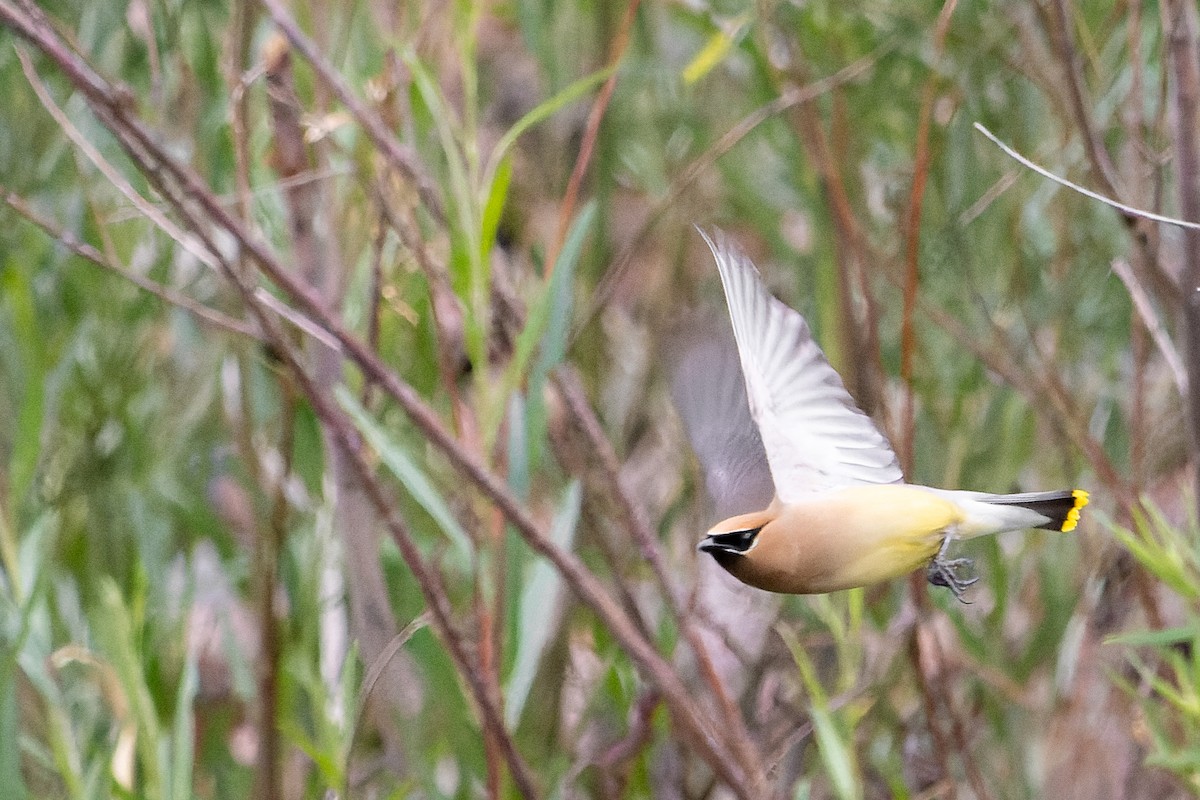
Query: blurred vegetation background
336, 457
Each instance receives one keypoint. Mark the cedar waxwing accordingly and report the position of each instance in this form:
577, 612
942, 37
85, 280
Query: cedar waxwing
840, 514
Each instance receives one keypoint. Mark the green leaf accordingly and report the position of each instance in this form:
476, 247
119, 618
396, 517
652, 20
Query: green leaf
715, 50
518, 447
464, 214
559, 295
837, 753
27, 442
548, 323
1166, 637
543, 111
493, 207
183, 739
407, 471
115, 635
10, 749
539, 599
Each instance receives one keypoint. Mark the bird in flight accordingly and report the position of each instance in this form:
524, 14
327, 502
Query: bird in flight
840, 514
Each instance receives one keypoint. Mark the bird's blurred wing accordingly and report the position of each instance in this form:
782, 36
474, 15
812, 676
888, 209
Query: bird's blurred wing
814, 436
710, 394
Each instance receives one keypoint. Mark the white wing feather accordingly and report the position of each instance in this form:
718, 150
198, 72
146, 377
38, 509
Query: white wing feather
710, 395
814, 435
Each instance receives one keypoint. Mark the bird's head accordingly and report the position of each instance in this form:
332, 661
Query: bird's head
734, 537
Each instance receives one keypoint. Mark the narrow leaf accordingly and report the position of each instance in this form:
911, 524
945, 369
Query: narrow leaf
545, 110
406, 470
552, 310
539, 600
715, 50
837, 754
493, 207
183, 740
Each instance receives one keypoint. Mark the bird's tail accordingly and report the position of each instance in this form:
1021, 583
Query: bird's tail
1060, 509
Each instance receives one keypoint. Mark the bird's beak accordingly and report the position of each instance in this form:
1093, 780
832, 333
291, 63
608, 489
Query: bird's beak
736, 543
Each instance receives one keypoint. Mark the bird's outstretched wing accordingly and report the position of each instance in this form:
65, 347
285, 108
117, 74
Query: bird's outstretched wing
710, 395
814, 436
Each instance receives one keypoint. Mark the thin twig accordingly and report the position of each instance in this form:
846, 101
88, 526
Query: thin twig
193, 196
111, 174
1098, 156
236, 76
267, 547
374, 671
430, 581
85, 251
1045, 173
862, 373
316, 260
1148, 316
1059, 411
189, 194
149, 210
788, 99
400, 156
932, 687
302, 323
1183, 45
1002, 185
1132, 118
567, 383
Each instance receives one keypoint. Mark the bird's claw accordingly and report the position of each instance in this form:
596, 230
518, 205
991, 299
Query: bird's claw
944, 572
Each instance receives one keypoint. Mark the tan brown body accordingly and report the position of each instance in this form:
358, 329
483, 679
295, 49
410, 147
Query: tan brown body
840, 539
842, 515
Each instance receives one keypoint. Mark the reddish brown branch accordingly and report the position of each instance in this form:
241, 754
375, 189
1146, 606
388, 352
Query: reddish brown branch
590, 134
400, 156
196, 204
1184, 51
1064, 40
585, 418
864, 373
789, 98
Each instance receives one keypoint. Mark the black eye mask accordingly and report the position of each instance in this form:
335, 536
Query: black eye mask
732, 543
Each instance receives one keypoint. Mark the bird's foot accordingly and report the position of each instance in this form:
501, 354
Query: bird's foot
944, 572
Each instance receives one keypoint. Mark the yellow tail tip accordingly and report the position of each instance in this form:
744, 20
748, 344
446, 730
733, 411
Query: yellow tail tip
1081, 500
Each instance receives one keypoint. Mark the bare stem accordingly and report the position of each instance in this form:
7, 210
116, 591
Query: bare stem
591, 132
194, 201
1185, 72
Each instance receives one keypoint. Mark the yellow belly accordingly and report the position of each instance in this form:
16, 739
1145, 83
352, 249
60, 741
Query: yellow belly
849, 537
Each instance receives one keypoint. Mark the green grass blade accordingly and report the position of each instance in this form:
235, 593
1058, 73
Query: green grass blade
835, 748
518, 447
115, 635
558, 314
543, 111
715, 50
471, 274
1166, 637
10, 749
407, 471
27, 444
183, 738
539, 599
548, 318
493, 207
